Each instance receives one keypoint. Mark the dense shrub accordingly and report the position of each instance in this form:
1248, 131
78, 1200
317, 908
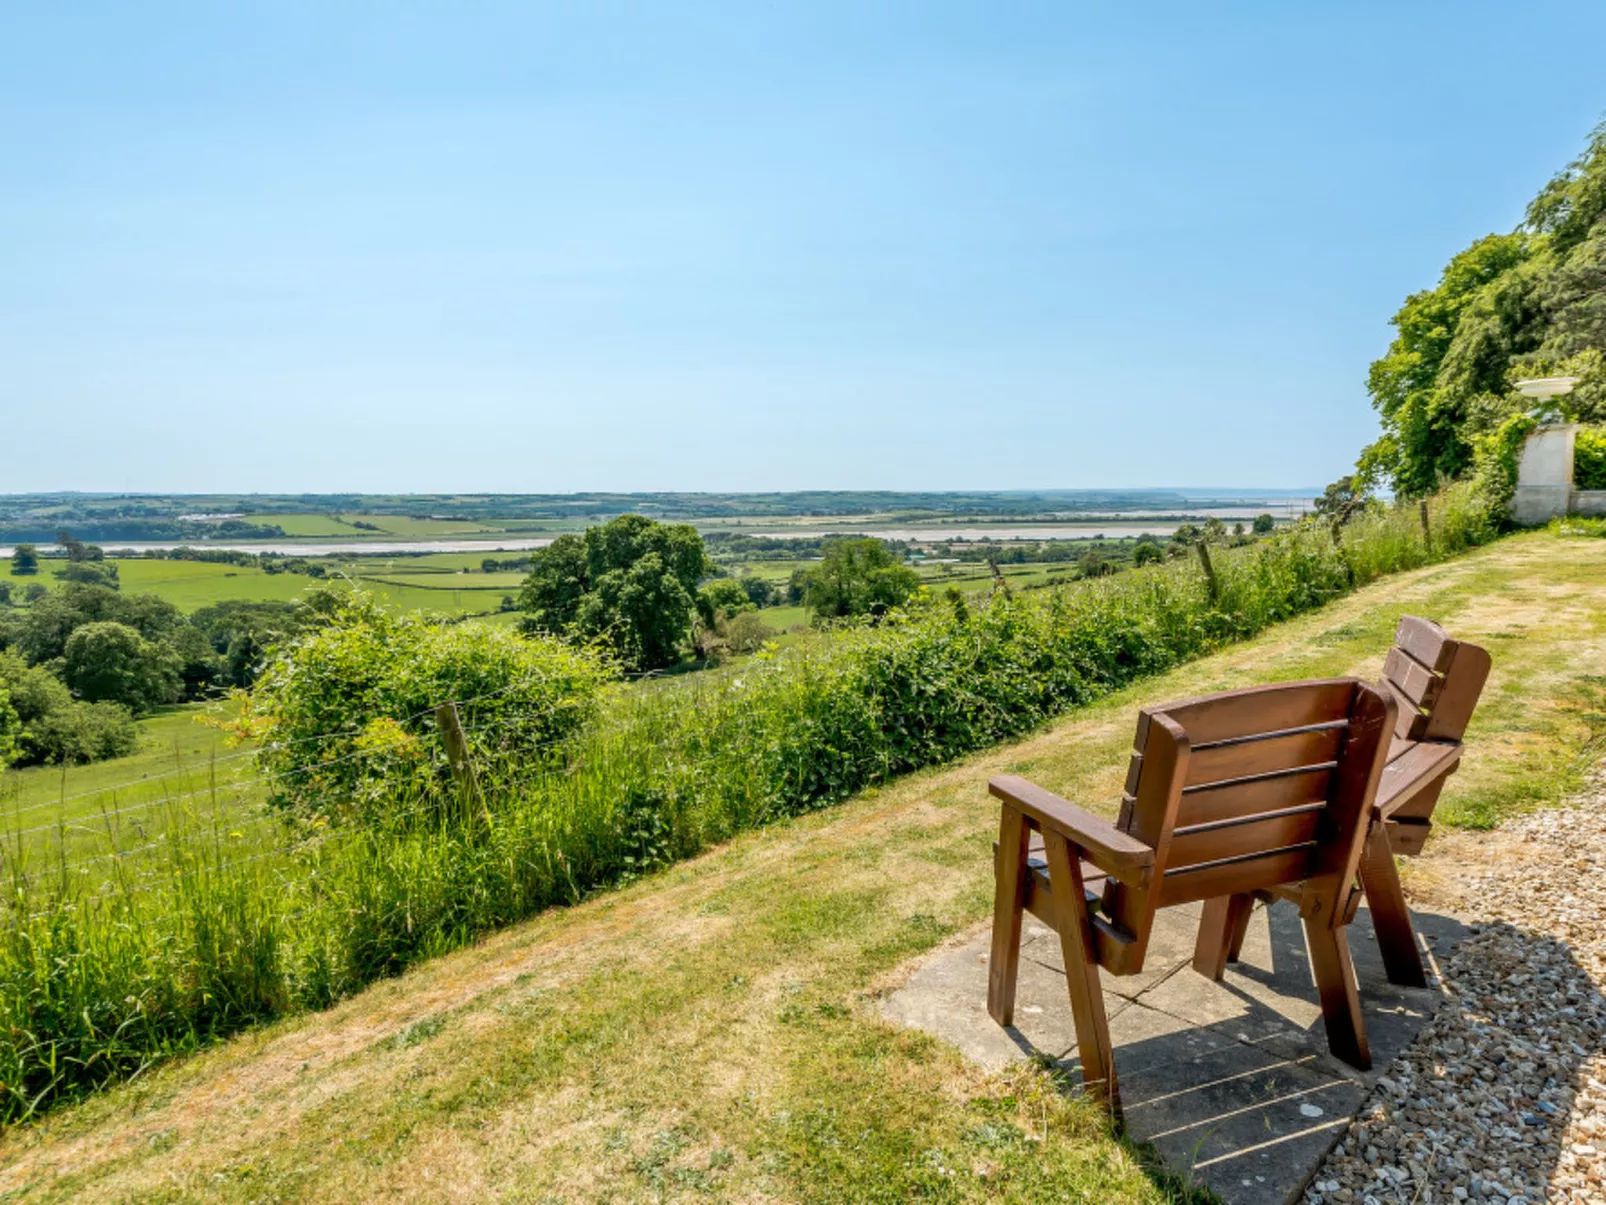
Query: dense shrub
1589, 459
345, 705
52, 727
93, 989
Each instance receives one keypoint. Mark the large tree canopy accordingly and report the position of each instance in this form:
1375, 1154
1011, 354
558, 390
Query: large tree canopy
1527, 303
858, 577
629, 584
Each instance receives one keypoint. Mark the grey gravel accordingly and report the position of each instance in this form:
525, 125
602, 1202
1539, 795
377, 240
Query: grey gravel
1502, 1097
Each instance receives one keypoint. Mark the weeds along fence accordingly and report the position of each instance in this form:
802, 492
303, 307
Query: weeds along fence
134, 933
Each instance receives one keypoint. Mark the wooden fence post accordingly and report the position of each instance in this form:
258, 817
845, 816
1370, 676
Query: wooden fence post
451, 726
1209, 570
1427, 531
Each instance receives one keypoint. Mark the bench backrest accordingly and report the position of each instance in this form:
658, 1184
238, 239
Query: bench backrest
1250, 790
1436, 680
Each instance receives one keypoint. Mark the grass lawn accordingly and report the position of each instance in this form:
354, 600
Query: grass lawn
712, 1031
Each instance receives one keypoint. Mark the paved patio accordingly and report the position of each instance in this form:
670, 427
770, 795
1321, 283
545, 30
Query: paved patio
1232, 1082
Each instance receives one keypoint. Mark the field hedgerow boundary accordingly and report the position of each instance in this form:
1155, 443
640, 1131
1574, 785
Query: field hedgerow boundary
99, 982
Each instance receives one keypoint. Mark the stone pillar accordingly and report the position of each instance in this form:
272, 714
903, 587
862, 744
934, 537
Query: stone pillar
1545, 475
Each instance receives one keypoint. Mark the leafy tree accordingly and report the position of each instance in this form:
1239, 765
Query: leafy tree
629, 583
34, 591
858, 577
1510, 305
91, 573
761, 592
24, 561
1342, 501
797, 587
720, 599
1092, 564
746, 632
559, 578
5, 594
111, 662
52, 726
241, 634
1264, 525
1147, 551
41, 632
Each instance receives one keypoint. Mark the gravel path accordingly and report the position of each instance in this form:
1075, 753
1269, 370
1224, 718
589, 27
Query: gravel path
1503, 1097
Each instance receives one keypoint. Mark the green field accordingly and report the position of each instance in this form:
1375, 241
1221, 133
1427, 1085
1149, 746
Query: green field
191, 585
345, 526
184, 772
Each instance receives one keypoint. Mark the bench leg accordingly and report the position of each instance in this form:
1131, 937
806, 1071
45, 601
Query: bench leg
1003, 965
1068, 888
1335, 982
1396, 938
1222, 925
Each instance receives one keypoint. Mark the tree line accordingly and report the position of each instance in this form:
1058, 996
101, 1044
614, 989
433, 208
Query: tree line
1529, 303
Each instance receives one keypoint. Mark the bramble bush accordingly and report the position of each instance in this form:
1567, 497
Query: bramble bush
346, 710
97, 984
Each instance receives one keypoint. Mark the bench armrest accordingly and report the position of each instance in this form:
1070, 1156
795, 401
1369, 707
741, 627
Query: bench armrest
1121, 857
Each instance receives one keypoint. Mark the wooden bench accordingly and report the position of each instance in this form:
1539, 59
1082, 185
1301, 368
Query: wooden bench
1225, 796
1436, 681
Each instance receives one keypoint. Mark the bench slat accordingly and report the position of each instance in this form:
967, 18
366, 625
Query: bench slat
1208, 805
1208, 880
1424, 762
1426, 641
1418, 683
1251, 835
1271, 709
1285, 751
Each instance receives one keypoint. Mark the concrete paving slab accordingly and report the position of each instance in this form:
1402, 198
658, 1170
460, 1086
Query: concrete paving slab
1231, 1082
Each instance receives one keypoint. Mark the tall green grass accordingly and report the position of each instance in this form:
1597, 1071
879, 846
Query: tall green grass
98, 981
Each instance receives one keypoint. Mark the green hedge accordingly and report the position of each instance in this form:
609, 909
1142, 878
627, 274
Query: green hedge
1589, 459
93, 990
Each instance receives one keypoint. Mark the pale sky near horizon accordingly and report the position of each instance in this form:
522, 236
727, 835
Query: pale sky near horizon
530, 247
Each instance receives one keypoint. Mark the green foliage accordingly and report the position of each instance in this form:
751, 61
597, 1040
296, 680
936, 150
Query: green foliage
1092, 564
1342, 501
10, 727
241, 634
110, 662
40, 634
1147, 551
1509, 306
1589, 459
1264, 525
720, 599
858, 577
52, 727
97, 572
1495, 458
347, 709
628, 584
24, 560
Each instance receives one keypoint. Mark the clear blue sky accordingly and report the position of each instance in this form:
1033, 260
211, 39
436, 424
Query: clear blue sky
542, 247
